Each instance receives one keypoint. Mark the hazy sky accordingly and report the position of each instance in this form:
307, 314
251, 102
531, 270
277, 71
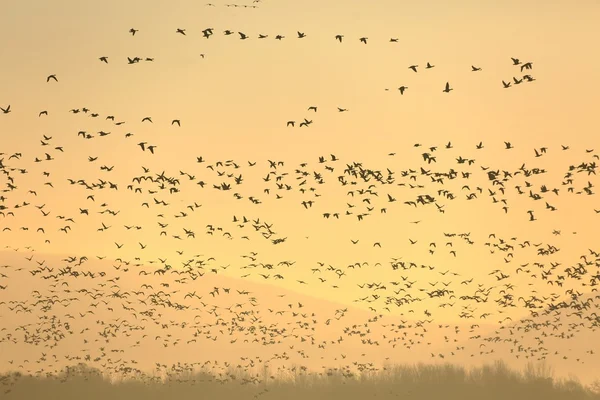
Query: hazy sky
234, 103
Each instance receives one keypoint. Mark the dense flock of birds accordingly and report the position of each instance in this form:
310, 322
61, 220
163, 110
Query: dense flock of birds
90, 298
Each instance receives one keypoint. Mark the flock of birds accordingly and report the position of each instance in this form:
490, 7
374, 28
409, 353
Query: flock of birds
122, 302
209, 32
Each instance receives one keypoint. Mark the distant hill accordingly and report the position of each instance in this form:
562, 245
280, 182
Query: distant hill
143, 318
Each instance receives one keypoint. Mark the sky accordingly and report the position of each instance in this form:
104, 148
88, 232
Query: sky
234, 102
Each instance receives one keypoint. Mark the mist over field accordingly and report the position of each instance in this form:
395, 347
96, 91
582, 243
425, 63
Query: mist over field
494, 381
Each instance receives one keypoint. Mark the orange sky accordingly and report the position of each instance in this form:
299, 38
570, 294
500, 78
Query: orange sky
234, 103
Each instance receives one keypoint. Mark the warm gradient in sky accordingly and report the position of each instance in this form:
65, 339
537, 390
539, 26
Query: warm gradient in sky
233, 99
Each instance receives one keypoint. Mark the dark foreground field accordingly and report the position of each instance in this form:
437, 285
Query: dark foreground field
409, 382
